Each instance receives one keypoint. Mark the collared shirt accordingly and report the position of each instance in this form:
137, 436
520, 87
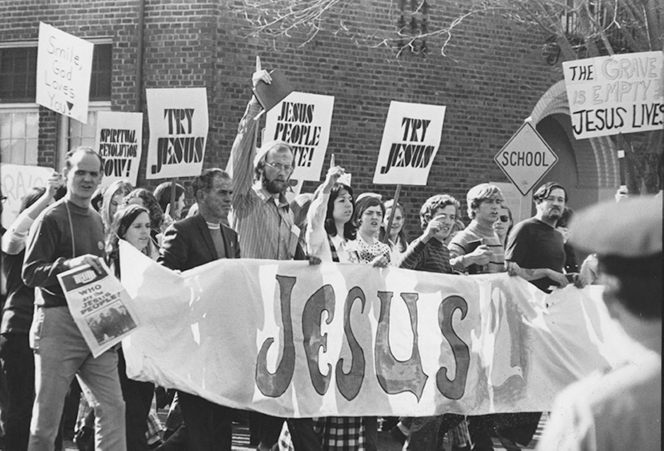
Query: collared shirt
264, 224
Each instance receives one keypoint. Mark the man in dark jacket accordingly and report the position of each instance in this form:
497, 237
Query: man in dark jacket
187, 244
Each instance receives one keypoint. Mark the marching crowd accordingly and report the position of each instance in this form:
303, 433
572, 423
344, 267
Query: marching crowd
244, 213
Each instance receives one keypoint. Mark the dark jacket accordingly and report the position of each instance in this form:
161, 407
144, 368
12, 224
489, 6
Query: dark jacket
187, 244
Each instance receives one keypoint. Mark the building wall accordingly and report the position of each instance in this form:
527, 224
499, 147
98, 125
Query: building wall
490, 79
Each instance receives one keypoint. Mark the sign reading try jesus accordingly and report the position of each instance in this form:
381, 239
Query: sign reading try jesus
178, 130
410, 142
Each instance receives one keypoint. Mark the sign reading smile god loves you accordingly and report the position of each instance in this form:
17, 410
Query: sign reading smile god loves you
302, 120
410, 142
178, 121
119, 141
64, 65
615, 94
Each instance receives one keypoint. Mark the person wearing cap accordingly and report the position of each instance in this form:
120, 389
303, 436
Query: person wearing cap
619, 409
263, 219
535, 250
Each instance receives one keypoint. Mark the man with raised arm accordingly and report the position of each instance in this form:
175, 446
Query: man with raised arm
262, 217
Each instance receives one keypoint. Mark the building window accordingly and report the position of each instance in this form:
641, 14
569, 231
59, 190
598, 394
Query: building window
19, 114
18, 75
18, 135
81, 134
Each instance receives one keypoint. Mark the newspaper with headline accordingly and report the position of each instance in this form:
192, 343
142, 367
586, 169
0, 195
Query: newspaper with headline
101, 307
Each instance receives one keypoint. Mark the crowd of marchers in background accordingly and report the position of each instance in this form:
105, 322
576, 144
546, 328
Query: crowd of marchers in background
53, 391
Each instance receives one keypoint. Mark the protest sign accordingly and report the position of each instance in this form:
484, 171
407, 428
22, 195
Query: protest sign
99, 305
17, 180
302, 120
615, 94
295, 340
410, 142
119, 141
64, 67
178, 121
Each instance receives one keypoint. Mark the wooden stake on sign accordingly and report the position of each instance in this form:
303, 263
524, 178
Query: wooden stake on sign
258, 67
172, 204
389, 221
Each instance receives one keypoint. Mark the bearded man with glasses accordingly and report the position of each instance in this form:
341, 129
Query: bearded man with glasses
262, 217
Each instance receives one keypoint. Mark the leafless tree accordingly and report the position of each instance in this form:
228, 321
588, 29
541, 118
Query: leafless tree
576, 28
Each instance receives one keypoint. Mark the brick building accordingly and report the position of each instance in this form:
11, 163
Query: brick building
492, 78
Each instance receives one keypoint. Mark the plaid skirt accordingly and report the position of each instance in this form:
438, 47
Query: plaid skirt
341, 433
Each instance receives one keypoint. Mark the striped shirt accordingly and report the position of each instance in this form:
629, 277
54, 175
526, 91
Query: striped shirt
475, 231
432, 256
264, 223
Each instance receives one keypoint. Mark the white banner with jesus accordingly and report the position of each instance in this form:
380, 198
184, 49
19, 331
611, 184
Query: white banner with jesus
295, 340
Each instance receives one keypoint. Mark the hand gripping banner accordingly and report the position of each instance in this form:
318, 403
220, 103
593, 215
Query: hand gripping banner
294, 340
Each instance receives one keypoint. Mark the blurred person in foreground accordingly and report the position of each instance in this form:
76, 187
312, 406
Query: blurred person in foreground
619, 409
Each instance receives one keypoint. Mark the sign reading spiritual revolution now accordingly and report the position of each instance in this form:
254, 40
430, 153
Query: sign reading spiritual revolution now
410, 142
615, 94
295, 340
64, 67
302, 120
119, 141
178, 131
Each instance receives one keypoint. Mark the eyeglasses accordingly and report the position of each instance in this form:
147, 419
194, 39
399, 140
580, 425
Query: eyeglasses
281, 167
504, 218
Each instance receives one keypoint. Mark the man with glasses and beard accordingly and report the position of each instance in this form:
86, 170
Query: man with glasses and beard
262, 217
535, 249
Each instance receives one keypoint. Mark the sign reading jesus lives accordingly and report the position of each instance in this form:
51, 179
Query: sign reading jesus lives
295, 340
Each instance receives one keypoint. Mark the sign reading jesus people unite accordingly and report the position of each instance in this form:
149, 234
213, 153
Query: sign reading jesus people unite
178, 121
64, 67
297, 340
615, 94
410, 142
302, 120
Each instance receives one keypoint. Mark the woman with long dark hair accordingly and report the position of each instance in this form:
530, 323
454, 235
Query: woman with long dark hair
330, 232
132, 224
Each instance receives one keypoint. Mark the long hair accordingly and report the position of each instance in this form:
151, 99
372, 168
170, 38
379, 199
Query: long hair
123, 219
149, 201
350, 230
115, 188
163, 194
402, 242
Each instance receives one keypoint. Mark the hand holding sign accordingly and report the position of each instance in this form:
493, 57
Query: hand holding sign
261, 75
333, 176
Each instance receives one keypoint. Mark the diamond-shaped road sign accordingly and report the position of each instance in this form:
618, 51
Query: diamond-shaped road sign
526, 158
